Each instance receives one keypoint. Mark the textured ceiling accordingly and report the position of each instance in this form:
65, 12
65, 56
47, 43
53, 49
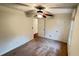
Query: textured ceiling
53, 7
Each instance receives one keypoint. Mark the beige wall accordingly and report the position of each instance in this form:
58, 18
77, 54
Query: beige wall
57, 27
15, 29
73, 47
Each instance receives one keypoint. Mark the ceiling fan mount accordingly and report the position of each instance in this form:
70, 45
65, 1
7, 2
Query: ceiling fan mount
39, 7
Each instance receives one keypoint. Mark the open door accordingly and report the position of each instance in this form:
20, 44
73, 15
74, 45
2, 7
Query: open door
35, 28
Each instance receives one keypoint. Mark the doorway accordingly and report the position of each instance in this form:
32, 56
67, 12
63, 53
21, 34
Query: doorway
35, 28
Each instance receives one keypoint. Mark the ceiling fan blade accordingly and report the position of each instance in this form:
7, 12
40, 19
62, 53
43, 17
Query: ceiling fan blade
44, 16
47, 13
30, 13
22, 4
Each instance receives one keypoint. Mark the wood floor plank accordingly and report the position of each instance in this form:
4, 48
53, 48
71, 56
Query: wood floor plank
40, 47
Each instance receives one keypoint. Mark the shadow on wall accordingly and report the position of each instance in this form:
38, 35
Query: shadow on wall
14, 29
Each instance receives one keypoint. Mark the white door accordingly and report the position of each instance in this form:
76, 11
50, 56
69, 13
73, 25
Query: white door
41, 27
35, 26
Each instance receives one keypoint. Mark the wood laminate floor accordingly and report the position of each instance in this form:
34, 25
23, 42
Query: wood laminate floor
40, 47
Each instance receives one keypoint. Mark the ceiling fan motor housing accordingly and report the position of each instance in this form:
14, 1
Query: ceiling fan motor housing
40, 7
39, 11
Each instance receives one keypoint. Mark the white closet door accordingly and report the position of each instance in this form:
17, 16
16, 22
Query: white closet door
41, 27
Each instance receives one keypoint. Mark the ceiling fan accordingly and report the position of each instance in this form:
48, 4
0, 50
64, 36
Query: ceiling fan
38, 12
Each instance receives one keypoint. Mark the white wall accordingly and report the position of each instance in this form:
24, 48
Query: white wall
15, 29
73, 47
57, 27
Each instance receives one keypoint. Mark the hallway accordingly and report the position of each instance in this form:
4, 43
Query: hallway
40, 47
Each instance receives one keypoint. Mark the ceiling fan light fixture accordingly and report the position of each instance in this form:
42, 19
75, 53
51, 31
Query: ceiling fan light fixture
39, 16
